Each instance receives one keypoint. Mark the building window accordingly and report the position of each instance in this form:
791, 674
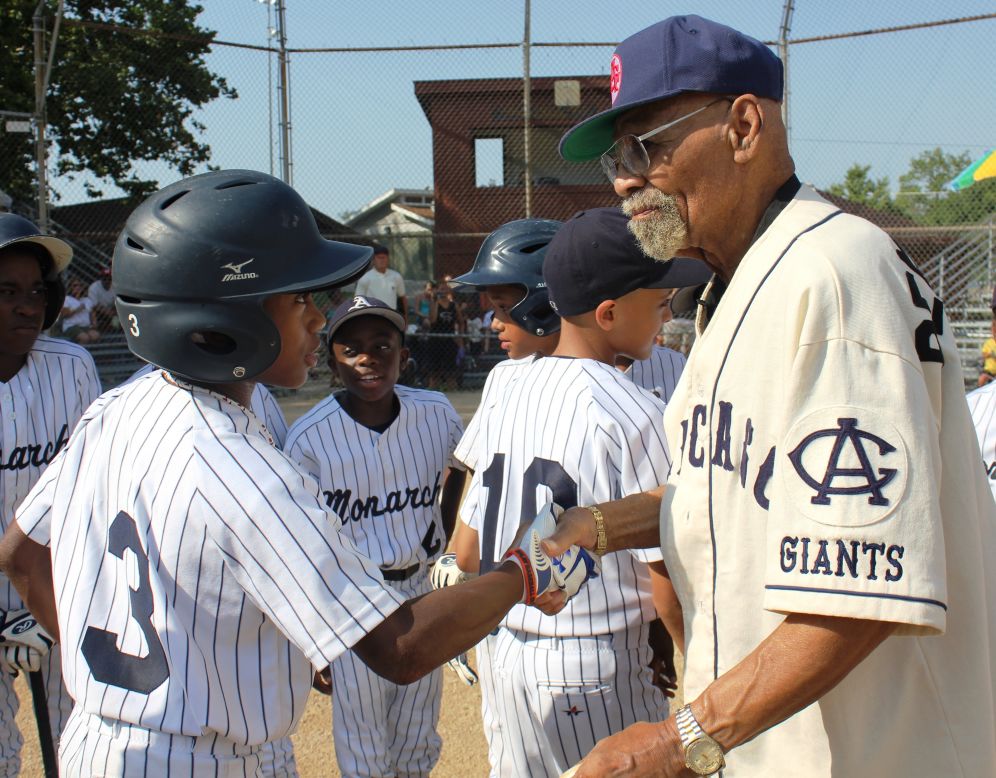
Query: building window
489, 161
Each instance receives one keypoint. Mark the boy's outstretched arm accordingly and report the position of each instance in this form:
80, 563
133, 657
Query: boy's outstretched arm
449, 502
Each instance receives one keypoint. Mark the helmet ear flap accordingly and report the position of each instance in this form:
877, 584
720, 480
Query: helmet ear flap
215, 342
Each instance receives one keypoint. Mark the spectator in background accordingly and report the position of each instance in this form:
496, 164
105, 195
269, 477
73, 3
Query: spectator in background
101, 297
445, 321
423, 303
78, 319
989, 350
383, 283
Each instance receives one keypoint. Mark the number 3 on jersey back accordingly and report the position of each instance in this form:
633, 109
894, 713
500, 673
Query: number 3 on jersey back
108, 664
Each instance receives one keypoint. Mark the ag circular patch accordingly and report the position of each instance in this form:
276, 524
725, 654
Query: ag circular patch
847, 467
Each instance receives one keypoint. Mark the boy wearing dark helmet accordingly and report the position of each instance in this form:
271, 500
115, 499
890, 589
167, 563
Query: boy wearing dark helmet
200, 582
45, 386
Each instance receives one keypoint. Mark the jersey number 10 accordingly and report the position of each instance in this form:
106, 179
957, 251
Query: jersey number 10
541, 472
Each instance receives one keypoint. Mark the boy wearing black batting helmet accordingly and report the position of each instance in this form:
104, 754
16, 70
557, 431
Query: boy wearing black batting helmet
200, 580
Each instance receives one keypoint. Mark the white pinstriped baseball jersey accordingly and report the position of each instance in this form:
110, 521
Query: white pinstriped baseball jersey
262, 403
384, 487
39, 408
578, 432
659, 373
982, 405
198, 579
501, 373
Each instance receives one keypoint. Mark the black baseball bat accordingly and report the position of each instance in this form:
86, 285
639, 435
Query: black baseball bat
40, 701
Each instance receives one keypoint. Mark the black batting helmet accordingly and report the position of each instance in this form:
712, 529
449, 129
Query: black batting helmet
197, 259
16, 229
513, 254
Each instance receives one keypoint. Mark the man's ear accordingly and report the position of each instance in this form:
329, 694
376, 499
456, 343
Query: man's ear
605, 315
745, 124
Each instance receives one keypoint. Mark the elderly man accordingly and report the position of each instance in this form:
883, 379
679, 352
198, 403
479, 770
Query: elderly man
826, 524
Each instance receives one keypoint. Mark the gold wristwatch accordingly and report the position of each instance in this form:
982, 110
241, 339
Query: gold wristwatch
703, 755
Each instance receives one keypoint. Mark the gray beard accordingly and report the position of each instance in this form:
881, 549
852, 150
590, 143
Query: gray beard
662, 233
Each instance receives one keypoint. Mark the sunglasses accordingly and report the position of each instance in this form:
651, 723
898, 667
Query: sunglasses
629, 151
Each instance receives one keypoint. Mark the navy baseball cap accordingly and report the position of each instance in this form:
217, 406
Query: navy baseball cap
594, 257
361, 305
680, 54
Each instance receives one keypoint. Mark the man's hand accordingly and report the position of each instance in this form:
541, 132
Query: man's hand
640, 750
575, 527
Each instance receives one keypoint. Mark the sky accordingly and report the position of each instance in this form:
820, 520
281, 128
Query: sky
358, 129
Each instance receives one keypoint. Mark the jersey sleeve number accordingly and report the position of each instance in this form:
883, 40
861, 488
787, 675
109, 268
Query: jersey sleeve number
541, 472
929, 331
108, 664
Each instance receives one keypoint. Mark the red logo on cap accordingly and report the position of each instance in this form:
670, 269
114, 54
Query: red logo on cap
615, 77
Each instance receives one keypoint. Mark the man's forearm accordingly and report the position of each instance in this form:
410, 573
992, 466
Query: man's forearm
803, 659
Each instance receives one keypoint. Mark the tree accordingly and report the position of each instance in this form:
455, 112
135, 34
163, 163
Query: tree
115, 99
930, 173
859, 187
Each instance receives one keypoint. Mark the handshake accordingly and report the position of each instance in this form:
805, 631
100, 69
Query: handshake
541, 573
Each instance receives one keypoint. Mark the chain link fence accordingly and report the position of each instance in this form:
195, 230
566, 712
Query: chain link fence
425, 147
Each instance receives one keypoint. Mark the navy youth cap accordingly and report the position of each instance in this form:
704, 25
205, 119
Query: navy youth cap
363, 306
680, 54
594, 257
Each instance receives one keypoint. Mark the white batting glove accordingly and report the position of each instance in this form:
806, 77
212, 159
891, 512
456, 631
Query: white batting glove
446, 573
464, 671
23, 642
541, 573
16, 659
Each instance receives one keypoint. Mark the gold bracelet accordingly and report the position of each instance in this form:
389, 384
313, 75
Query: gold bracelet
600, 540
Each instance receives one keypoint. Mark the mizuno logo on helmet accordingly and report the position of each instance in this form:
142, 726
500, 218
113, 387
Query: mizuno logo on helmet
237, 274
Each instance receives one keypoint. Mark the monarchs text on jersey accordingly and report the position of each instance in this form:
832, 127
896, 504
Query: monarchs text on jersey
384, 487
40, 406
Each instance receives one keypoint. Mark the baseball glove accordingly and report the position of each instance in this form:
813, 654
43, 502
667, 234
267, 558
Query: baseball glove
541, 573
23, 642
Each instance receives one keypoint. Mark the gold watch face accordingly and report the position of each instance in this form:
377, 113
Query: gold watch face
704, 756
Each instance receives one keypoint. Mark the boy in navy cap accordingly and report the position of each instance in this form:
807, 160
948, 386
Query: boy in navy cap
570, 428
383, 458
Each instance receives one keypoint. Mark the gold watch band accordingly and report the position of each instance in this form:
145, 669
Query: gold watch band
600, 540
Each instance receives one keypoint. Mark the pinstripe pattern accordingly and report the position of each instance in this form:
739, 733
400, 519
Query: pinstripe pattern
400, 468
556, 687
381, 728
466, 450
659, 373
262, 403
249, 584
982, 406
39, 408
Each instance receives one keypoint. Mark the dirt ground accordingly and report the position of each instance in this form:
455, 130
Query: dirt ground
464, 752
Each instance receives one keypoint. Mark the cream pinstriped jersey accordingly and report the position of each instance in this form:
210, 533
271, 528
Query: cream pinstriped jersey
198, 579
577, 432
825, 464
39, 408
383, 487
263, 404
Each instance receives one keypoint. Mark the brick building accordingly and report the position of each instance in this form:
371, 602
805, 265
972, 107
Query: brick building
479, 160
